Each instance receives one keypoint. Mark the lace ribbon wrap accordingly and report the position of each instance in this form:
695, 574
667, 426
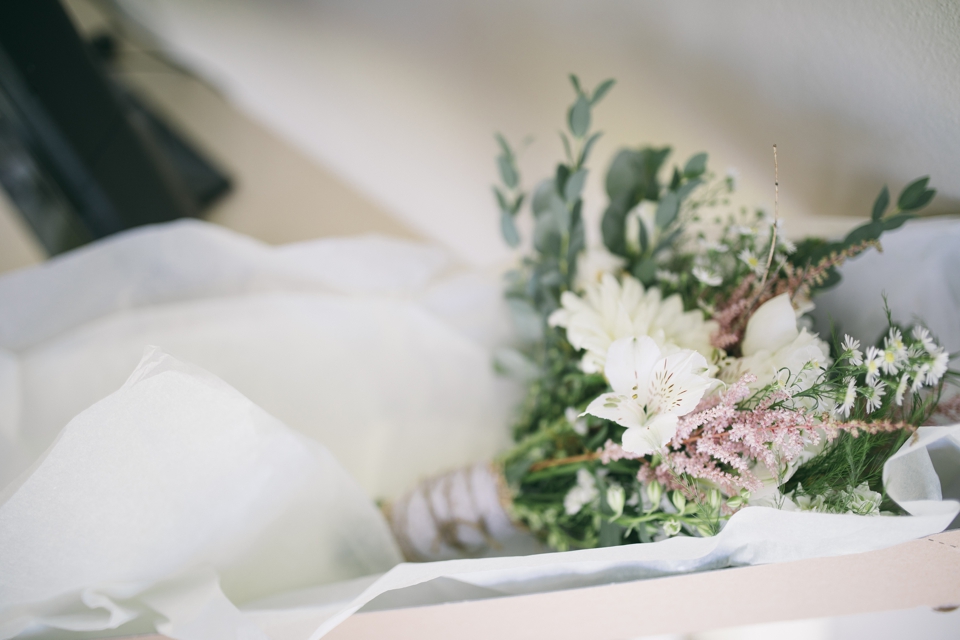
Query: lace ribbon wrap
452, 515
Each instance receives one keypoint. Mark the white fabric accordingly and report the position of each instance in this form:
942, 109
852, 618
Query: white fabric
167, 491
379, 349
917, 271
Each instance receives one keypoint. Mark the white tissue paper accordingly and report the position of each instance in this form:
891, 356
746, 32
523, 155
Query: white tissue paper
168, 495
378, 349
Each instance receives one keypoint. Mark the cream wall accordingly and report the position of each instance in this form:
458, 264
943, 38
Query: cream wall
399, 99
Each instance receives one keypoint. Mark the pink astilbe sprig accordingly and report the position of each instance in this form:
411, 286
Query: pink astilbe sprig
720, 443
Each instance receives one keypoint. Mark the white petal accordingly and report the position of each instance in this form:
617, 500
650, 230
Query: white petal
772, 326
617, 408
648, 439
630, 362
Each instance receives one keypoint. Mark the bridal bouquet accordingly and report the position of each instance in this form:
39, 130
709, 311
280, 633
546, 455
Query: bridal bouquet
674, 374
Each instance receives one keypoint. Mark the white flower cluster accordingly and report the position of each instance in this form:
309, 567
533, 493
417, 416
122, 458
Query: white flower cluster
898, 365
860, 501
609, 310
581, 494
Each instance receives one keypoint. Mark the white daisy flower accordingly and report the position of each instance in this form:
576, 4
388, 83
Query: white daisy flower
852, 348
938, 367
894, 342
751, 260
923, 335
889, 362
849, 398
902, 389
874, 395
872, 364
707, 276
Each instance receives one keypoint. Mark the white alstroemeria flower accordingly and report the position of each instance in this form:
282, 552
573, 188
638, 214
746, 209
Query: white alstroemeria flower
853, 346
772, 343
610, 310
593, 263
581, 494
650, 391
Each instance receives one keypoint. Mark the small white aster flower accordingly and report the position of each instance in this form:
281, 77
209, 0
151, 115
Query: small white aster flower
707, 276
853, 347
748, 258
872, 364
787, 246
894, 342
889, 362
667, 276
919, 375
849, 397
902, 389
874, 395
938, 367
733, 177
923, 335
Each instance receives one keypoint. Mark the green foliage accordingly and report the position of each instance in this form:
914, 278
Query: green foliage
848, 462
914, 197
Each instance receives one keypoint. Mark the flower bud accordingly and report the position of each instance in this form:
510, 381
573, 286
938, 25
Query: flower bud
714, 499
616, 498
655, 493
671, 527
679, 500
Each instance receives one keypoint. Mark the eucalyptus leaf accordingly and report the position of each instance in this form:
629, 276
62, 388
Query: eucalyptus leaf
566, 146
563, 172
881, 203
687, 188
612, 228
897, 221
579, 117
602, 90
667, 210
575, 81
588, 146
508, 172
517, 204
914, 195
501, 199
509, 229
542, 195
675, 179
695, 166
574, 185
625, 173
504, 147
547, 232
869, 231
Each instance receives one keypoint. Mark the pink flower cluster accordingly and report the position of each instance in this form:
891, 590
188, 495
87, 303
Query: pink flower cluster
720, 443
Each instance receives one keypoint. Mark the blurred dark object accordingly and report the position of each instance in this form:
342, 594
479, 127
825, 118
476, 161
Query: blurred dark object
79, 156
